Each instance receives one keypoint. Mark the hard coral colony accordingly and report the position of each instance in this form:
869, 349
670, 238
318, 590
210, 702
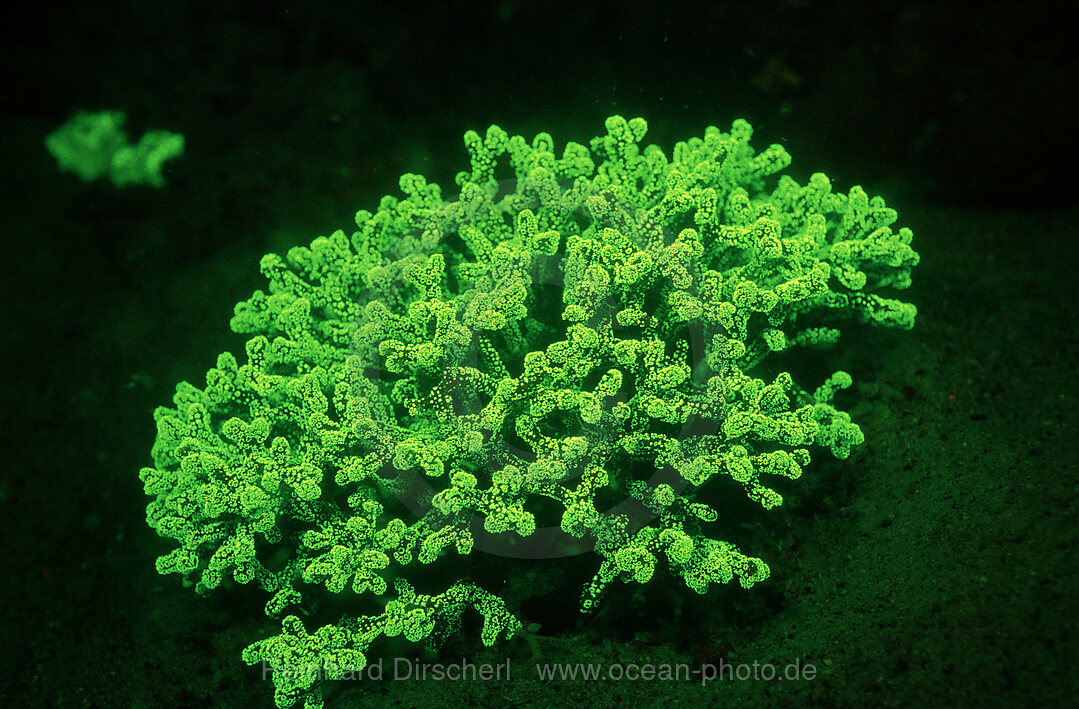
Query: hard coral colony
491, 371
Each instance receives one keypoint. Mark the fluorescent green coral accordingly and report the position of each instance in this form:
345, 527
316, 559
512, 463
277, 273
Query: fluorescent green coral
300, 660
439, 380
94, 145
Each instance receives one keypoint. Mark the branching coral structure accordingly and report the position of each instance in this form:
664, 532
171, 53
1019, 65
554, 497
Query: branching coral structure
94, 145
558, 360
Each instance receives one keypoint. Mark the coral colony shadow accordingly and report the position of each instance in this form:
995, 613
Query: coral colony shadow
556, 362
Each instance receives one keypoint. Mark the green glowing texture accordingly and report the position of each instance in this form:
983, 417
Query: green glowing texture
594, 324
94, 145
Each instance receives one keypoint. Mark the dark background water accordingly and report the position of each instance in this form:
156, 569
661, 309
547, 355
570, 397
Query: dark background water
936, 566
